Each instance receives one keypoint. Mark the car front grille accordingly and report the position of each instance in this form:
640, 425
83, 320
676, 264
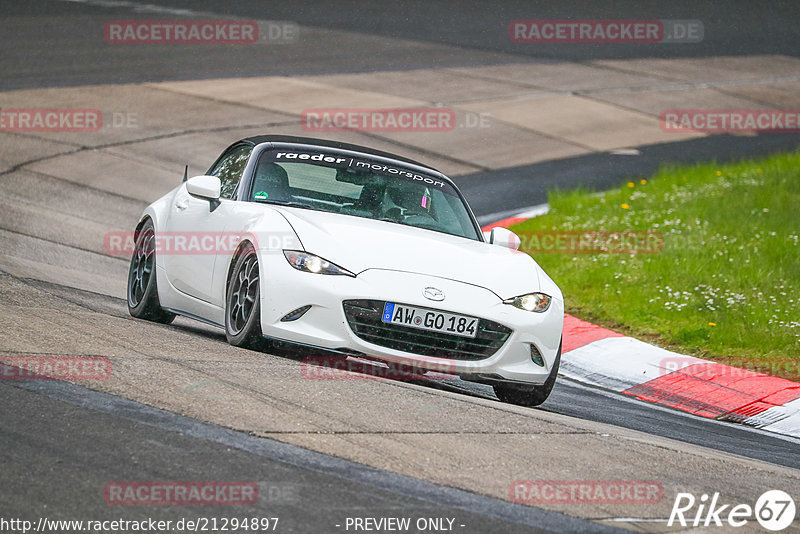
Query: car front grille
364, 318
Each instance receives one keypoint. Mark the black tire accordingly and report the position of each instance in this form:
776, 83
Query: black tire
143, 300
525, 395
243, 301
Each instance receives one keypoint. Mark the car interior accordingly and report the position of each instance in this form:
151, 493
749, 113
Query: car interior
360, 194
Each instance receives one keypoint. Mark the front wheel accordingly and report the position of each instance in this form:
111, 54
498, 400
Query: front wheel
142, 288
525, 395
243, 302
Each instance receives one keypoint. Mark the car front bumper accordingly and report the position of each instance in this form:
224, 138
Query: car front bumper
325, 324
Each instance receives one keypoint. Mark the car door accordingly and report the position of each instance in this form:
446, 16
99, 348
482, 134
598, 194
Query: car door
200, 235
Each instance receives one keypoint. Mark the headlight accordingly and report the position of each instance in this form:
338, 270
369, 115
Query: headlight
303, 261
533, 302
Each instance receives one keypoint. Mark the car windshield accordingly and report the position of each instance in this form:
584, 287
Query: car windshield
362, 188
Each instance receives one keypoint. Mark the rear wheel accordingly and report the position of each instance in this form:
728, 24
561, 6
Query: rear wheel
527, 395
143, 300
243, 302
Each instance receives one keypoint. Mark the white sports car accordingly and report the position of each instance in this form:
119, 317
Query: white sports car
354, 251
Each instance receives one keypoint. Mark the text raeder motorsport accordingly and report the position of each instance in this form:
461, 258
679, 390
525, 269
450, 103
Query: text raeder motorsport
360, 164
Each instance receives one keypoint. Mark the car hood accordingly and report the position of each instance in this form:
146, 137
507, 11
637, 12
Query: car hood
358, 244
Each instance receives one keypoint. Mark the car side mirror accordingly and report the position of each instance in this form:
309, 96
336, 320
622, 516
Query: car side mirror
205, 187
504, 238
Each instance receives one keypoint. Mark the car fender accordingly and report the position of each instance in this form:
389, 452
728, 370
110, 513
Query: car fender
268, 231
547, 285
158, 211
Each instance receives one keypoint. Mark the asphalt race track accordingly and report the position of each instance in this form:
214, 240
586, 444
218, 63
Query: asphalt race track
182, 405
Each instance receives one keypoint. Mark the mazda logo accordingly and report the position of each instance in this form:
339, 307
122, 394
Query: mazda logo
431, 293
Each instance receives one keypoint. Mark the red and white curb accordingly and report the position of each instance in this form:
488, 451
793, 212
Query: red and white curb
601, 357
597, 356
528, 213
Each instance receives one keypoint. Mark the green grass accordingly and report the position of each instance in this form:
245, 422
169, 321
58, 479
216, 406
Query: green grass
726, 285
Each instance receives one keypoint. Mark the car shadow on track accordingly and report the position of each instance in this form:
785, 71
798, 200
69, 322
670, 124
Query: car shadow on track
319, 364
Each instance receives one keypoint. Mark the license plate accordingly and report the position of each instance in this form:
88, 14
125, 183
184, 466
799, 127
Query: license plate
436, 321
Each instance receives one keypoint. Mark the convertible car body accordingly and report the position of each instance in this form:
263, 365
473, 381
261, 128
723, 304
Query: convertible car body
351, 250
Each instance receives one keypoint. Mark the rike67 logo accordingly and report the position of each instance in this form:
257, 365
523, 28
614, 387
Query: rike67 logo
774, 510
